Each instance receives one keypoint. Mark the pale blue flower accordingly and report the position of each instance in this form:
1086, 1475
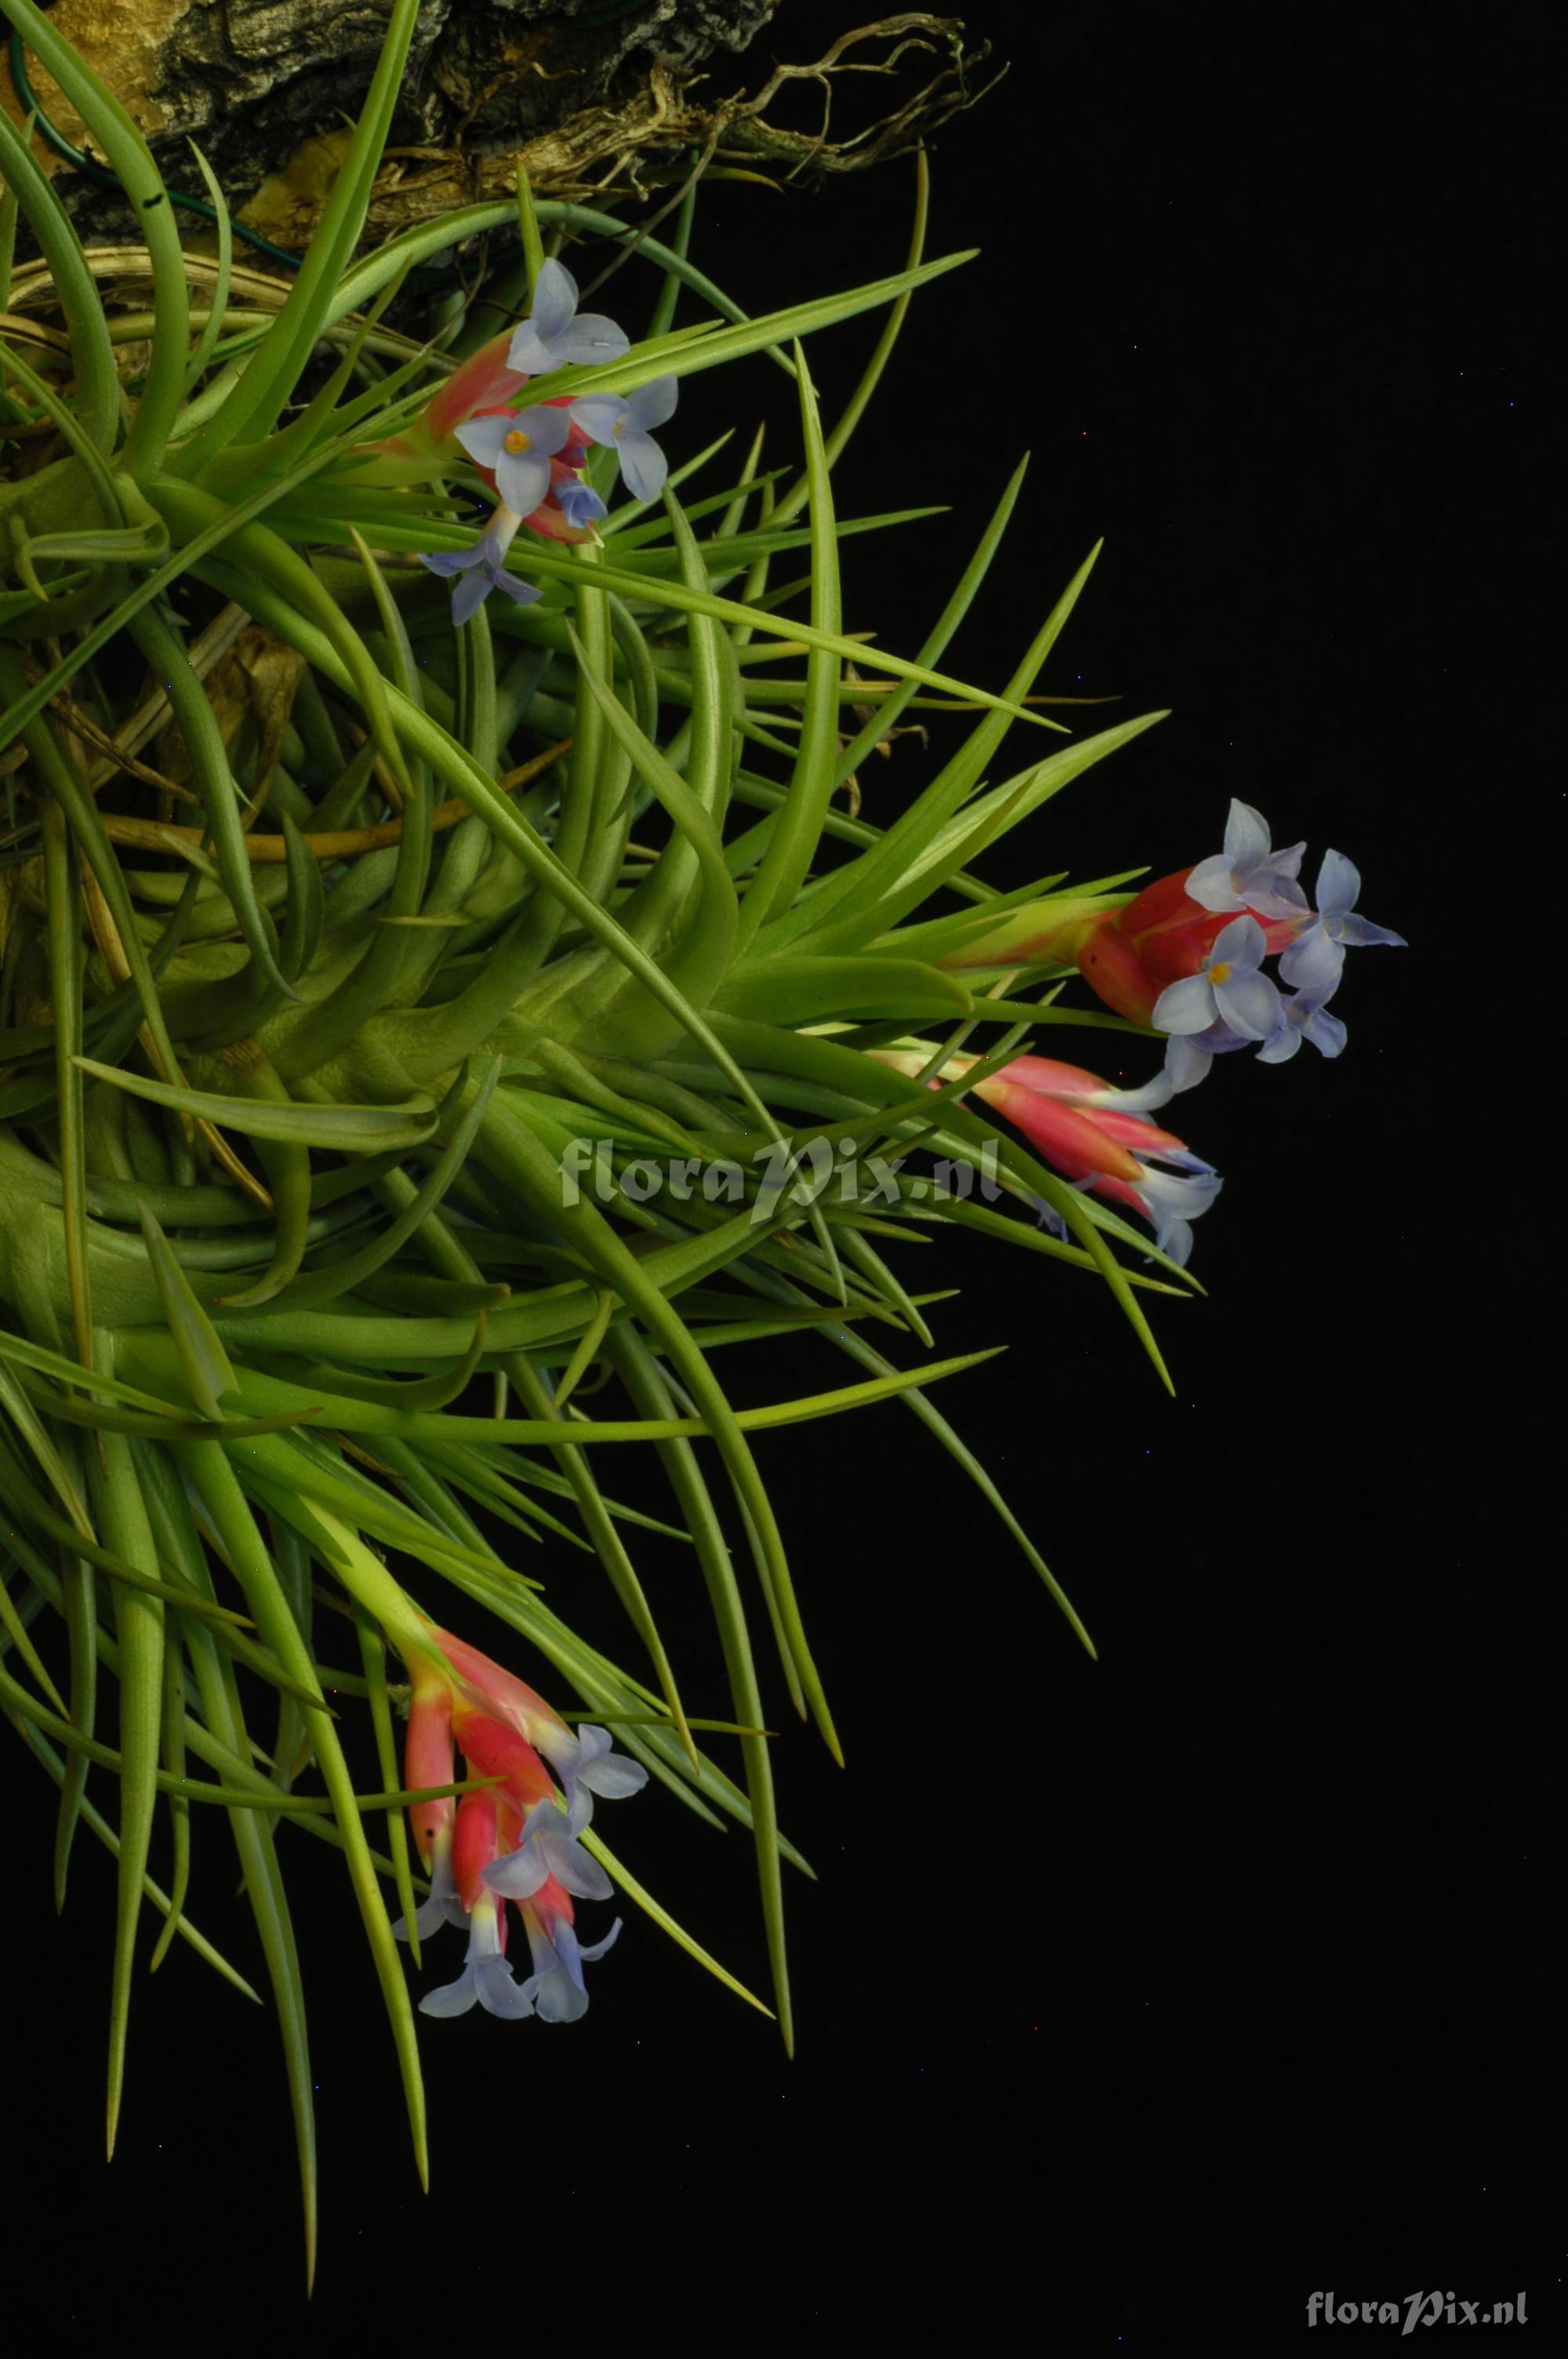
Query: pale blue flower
1249, 874
1304, 1016
623, 422
556, 1989
519, 445
1174, 1201
1189, 1055
1170, 1201
549, 1848
556, 333
580, 505
1229, 990
585, 1766
486, 1979
481, 568
1314, 960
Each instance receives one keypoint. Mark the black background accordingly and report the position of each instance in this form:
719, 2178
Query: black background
1145, 1997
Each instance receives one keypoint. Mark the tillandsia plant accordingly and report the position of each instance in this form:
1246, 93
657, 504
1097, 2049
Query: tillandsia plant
440, 968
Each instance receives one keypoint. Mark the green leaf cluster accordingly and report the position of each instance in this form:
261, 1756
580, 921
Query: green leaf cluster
313, 993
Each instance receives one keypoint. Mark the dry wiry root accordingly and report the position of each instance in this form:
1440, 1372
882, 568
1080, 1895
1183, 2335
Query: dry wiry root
639, 135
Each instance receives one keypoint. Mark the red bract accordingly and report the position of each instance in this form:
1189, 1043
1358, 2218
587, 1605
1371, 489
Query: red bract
1126, 953
461, 1698
516, 1840
1128, 957
485, 388
494, 1750
1094, 1135
428, 1760
475, 1841
484, 384
1052, 1104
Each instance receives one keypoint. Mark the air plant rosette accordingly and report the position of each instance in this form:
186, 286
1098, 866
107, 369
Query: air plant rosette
441, 968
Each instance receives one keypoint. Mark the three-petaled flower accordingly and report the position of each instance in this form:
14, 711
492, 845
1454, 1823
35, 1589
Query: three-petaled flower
558, 1958
1304, 1016
1314, 959
580, 503
518, 447
482, 567
1228, 988
1248, 874
622, 423
556, 333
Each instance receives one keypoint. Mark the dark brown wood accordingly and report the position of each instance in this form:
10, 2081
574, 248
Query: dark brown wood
591, 99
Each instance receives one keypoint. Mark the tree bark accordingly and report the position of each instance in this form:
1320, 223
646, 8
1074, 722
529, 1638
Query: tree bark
591, 99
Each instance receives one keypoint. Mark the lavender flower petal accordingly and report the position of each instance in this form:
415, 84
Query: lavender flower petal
1184, 1006
1248, 874
1249, 1002
556, 333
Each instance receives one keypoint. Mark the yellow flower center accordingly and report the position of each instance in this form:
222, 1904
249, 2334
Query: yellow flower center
1220, 974
517, 441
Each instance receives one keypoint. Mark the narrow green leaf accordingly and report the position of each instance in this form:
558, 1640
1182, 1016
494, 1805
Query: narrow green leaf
214, 1483
794, 843
100, 1826
373, 1653
256, 402
201, 1354
122, 1516
349, 1129
178, 1806
644, 1901
644, 1381
207, 341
